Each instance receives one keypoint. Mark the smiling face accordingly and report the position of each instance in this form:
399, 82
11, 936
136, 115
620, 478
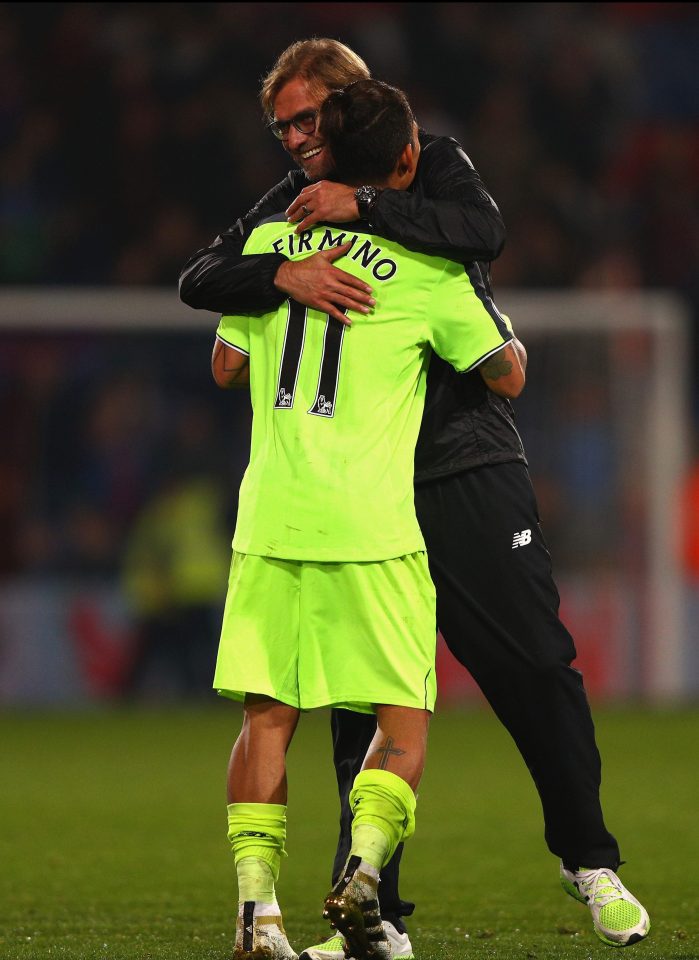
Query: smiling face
306, 149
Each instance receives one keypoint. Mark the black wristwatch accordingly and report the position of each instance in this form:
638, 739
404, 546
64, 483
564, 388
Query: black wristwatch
366, 198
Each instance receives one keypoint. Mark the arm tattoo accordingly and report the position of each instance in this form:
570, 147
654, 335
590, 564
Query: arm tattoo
496, 367
388, 750
228, 352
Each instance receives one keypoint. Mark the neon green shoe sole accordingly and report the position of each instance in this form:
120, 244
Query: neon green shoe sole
334, 947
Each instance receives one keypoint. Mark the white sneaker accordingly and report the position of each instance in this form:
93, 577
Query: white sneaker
260, 937
334, 947
400, 942
619, 919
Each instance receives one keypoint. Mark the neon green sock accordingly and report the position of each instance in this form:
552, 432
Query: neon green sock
370, 843
255, 880
384, 814
257, 833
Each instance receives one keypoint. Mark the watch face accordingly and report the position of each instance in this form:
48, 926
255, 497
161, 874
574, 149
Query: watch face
366, 196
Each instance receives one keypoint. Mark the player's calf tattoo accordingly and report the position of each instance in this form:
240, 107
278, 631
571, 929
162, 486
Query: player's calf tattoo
386, 751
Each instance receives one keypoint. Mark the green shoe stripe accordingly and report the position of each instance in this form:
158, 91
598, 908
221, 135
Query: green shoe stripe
572, 890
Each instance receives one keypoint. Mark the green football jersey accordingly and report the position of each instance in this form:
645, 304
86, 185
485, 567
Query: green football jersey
336, 409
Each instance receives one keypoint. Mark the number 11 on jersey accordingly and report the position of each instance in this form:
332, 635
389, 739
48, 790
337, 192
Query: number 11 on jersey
292, 351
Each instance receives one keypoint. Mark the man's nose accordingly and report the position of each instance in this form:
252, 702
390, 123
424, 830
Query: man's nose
296, 139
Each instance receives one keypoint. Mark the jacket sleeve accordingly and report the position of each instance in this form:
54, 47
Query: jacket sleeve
221, 279
450, 213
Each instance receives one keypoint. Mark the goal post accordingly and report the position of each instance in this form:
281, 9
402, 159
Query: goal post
637, 341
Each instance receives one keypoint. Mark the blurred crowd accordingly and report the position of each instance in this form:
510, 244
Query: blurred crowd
131, 133
98, 433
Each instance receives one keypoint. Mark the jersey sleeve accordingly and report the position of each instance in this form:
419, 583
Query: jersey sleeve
234, 331
464, 329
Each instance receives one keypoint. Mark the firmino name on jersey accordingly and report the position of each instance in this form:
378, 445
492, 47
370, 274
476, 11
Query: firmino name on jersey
367, 254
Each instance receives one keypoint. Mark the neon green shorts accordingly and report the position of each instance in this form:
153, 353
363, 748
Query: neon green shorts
329, 634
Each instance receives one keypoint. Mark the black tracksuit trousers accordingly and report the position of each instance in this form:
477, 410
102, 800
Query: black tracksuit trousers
497, 608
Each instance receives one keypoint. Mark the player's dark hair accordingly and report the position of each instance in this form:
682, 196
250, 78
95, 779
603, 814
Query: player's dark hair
366, 126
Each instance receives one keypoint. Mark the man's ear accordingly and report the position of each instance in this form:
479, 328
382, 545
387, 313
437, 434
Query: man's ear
407, 165
405, 160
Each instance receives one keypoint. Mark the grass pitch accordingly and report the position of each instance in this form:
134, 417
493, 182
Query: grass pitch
113, 846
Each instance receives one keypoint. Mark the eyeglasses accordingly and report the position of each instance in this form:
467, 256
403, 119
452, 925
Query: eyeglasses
303, 122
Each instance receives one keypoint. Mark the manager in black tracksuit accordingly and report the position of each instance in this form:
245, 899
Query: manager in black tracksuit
497, 607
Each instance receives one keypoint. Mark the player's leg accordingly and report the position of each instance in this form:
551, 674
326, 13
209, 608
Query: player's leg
260, 618
373, 644
498, 611
383, 806
257, 767
352, 734
257, 794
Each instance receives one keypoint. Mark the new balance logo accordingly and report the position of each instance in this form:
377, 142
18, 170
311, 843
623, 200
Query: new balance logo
521, 539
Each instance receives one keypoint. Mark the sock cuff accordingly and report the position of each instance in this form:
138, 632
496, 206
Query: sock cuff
385, 780
257, 830
258, 811
269, 818
384, 786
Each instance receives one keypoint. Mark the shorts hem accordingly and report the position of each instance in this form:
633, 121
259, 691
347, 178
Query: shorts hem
338, 558
240, 695
368, 705
360, 704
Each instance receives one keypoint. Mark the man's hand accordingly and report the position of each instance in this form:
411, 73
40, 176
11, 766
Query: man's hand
323, 201
316, 283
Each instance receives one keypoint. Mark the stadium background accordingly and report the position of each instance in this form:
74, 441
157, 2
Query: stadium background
131, 135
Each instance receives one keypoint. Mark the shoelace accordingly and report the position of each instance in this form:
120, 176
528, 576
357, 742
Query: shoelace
600, 888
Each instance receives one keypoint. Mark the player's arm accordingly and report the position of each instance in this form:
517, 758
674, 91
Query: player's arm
468, 331
449, 212
230, 366
230, 360
504, 371
223, 279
